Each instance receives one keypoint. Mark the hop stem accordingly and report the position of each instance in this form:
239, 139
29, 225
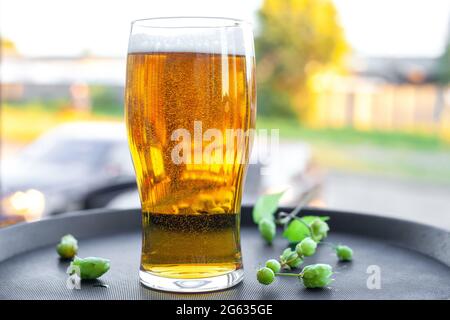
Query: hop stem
288, 274
304, 201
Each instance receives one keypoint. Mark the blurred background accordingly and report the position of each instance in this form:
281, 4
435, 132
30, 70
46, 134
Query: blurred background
358, 88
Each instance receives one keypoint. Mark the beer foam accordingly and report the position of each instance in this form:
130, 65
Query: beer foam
235, 41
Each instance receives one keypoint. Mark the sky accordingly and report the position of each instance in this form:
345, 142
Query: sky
70, 27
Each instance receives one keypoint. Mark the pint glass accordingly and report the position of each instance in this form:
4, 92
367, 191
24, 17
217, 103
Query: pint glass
190, 112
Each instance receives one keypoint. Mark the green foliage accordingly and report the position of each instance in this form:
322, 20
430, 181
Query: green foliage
274, 103
266, 206
296, 231
106, 101
310, 219
443, 71
296, 39
306, 231
299, 228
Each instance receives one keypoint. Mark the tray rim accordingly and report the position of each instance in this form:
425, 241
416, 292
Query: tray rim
411, 235
322, 211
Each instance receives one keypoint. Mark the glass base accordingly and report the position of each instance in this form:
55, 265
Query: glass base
221, 282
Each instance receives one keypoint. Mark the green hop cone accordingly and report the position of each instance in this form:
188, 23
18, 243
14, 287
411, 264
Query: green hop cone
344, 253
296, 263
306, 247
319, 230
267, 228
89, 268
286, 253
316, 275
274, 265
290, 260
265, 276
67, 247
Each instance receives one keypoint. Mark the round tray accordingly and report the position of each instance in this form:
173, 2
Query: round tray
412, 261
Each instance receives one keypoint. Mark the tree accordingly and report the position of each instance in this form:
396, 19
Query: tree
296, 39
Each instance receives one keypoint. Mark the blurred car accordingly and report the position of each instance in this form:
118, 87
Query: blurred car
74, 166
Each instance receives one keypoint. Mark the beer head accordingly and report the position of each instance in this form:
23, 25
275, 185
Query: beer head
200, 35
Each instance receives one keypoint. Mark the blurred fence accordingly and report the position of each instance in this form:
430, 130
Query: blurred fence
379, 106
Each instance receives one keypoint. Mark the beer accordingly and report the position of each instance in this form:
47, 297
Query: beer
190, 208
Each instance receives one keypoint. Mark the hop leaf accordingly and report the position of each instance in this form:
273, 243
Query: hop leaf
299, 228
310, 219
296, 231
266, 206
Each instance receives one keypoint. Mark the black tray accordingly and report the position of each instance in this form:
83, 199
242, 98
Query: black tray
413, 259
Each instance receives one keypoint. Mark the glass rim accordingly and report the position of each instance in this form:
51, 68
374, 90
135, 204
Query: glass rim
205, 22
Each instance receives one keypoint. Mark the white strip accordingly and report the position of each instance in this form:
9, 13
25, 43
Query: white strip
235, 41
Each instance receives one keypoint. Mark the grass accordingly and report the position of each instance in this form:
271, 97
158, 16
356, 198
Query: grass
291, 129
409, 164
411, 156
24, 123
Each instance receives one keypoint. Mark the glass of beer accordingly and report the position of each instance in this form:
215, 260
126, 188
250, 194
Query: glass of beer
190, 112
